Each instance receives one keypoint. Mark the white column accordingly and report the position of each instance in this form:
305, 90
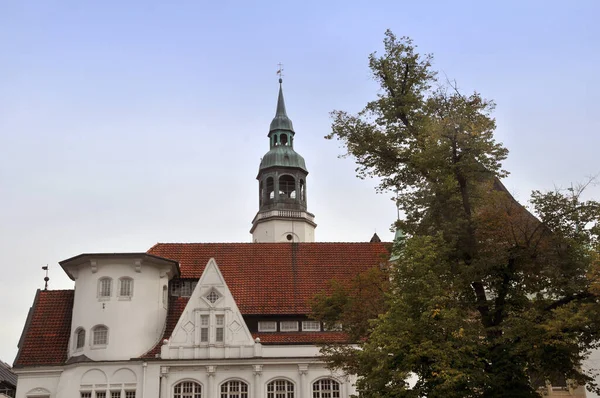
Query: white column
164, 382
210, 388
257, 380
303, 388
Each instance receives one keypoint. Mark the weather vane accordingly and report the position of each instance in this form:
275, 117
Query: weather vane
280, 72
46, 279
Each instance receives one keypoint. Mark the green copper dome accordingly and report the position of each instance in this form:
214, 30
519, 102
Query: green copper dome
282, 156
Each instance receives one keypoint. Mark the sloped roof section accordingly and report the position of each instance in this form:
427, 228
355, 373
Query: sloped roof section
275, 278
45, 338
6, 375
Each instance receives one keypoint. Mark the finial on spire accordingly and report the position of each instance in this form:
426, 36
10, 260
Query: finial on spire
46, 279
280, 72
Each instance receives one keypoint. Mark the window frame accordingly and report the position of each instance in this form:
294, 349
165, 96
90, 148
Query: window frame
287, 392
93, 343
241, 393
120, 292
78, 347
286, 329
307, 329
326, 393
262, 328
100, 294
192, 394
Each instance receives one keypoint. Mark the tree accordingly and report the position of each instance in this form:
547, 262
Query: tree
486, 297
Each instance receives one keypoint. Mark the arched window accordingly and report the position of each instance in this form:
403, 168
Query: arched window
302, 191
287, 187
275, 143
261, 193
99, 335
187, 389
280, 389
234, 389
284, 139
104, 287
125, 287
270, 188
326, 388
79, 338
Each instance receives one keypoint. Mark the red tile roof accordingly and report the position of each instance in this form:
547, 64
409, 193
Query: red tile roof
264, 278
176, 307
275, 278
46, 334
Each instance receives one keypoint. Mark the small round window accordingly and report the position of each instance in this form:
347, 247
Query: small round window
289, 237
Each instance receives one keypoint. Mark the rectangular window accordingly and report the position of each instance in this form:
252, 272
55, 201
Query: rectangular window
220, 330
204, 328
100, 336
104, 288
100, 394
267, 326
130, 394
288, 326
115, 394
126, 288
87, 394
311, 326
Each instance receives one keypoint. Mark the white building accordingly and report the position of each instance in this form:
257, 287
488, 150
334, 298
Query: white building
222, 320
203, 320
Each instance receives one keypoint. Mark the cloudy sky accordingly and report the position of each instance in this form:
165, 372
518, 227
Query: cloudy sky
123, 125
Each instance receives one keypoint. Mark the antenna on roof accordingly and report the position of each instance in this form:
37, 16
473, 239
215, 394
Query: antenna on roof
46, 279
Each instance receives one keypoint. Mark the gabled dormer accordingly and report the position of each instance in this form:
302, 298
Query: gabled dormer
211, 325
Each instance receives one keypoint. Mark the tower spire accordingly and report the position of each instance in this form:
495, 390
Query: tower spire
281, 121
282, 215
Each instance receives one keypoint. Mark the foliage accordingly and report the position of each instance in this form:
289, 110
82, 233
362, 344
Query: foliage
486, 297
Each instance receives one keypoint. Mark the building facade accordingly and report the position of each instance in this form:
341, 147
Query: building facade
225, 320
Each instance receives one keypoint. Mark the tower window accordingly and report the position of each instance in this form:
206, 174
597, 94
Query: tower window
284, 139
302, 191
270, 188
287, 187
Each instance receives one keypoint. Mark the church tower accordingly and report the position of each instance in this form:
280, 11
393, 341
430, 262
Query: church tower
282, 215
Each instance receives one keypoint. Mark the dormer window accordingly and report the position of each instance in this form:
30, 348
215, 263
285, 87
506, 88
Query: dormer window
125, 288
104, 288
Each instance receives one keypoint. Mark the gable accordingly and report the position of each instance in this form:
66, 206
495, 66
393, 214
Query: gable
211, 325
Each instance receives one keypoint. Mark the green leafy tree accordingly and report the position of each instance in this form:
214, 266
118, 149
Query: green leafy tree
486, 297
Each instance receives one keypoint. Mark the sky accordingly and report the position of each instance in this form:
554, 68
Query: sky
123, 124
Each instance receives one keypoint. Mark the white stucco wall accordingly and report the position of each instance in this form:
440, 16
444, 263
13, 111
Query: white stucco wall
272, 231
135, 325
157, 379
